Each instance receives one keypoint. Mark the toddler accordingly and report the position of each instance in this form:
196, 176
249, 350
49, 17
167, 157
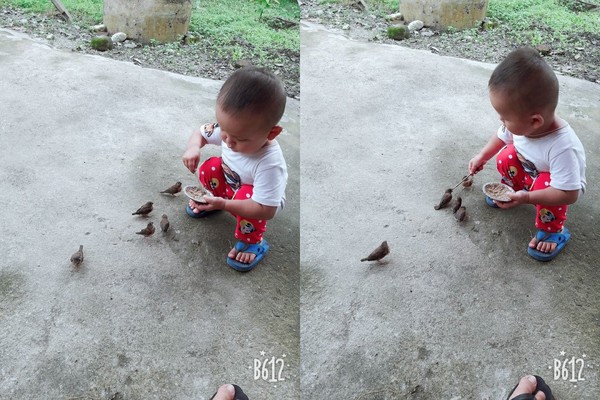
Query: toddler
250, 177
538, 154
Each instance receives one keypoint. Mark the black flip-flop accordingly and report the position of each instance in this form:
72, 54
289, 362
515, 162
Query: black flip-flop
239, 394
541, 386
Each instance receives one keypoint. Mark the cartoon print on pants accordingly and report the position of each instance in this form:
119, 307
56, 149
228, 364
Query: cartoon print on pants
546, 216
232, 178
214, 183
246, 227
512, 171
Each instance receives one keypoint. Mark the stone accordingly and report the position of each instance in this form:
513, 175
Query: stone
426, 33
101, 43
394, 17
398, 32
441, 14
346, 27
50, 37
415, 25
129, 45
543, 49
119, 37
98, 28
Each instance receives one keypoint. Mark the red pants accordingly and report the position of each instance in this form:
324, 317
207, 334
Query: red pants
548, 218
212, 177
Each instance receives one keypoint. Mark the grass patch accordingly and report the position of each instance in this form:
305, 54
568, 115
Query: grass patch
544, 21
87, 12
376, 7
228, 28
232, 27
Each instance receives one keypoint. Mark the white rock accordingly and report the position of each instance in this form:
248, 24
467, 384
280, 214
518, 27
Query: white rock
415, 25
394, 17
119, 37
427, 33
50, 37
98, 28
346, 27
130, 45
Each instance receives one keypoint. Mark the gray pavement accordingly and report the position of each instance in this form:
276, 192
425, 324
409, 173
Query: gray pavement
460, 311
84, 142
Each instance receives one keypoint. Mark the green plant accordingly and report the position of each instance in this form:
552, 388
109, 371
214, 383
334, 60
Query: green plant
263, 5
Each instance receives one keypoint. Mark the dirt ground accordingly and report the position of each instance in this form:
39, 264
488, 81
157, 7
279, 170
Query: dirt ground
192, 60
581, 60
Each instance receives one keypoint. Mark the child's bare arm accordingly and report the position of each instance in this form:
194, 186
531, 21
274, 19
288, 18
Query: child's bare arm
245, 208
549, 197
492, 147
191, 156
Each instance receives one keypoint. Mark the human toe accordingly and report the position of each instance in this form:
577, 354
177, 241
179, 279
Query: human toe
232, 253
527, 385
225, 392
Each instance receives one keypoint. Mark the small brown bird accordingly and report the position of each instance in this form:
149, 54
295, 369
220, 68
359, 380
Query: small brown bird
176, 188
164, 223
456, 205
461, 214
445, 199
144, 210
77, 257
380, 252
468, 181
148, 230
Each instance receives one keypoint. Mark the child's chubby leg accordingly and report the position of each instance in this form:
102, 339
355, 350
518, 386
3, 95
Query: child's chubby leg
549, 219
511, 169
247, 230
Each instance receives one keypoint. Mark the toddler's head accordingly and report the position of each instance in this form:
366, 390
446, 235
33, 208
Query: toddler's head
524, 92
249, 106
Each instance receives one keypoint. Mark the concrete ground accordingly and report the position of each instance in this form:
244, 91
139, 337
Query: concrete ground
85, 142
459, 311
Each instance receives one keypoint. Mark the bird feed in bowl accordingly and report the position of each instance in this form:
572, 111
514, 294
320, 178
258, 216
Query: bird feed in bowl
497, 191
196, 193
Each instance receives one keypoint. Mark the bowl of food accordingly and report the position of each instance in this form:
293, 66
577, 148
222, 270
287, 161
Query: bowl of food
197, 193
497, 191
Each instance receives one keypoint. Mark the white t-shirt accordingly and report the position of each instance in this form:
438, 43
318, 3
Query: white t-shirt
266, 169
560, 153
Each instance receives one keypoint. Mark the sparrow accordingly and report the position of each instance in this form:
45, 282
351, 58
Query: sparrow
176, 188
164, 223
461, 214
468, 181
377, 254
77, 257
148, 230
144, 210
445, 199
456, 205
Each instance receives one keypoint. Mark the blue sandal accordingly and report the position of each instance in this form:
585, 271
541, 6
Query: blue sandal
560, 238
490, 202
259, 249
201, 214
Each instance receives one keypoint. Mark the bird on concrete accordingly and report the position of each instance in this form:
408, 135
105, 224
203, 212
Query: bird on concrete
77, 257
144, 210
456, 204
377, 254
164, 223
173, 190
445, 199
461, 214
148, 230
468, 181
